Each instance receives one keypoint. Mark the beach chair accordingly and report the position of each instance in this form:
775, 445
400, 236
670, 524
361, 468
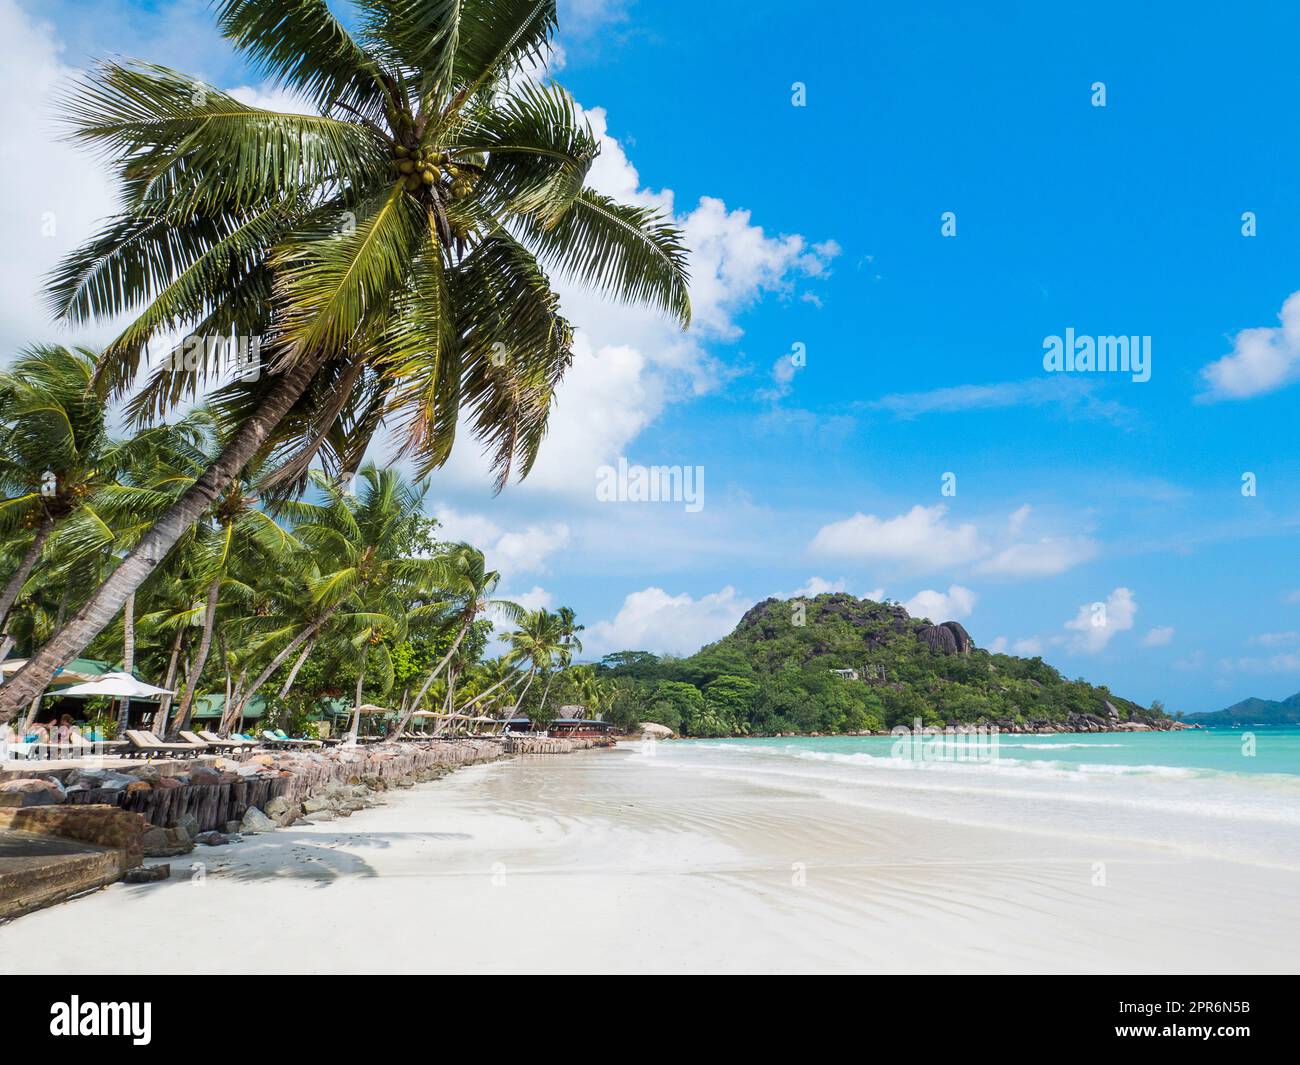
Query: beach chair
277, 738
83, 747
147, 745
229, 743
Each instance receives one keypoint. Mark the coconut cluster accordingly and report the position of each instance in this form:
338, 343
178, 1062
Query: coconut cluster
424, 166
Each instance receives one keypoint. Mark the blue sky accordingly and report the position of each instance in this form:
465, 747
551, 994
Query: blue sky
820, 225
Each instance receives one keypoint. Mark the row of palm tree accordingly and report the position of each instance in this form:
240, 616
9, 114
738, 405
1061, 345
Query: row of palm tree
258, 584
389, 254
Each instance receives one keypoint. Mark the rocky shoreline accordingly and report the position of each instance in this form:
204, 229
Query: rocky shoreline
218, 800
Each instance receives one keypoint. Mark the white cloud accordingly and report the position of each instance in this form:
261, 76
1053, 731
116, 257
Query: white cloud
783, 371
273, 98
998, 645
536, 598
1263, 359
956, 603
52, 195
1097, 623
1042, 558
922, 537
1028, 647
1160, 636
1275, 639
630, 363
1074, 396
815, 586
512, 552
925, 539
653, 620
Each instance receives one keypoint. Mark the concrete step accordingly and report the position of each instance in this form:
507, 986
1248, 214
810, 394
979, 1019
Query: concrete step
38, 870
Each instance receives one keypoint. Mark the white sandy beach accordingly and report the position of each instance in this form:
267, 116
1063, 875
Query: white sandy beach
612, 861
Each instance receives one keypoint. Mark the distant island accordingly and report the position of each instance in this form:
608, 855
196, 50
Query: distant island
836, 664
1253, 712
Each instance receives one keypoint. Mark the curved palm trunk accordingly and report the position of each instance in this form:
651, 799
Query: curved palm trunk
109, 597
293, 673
165, 701
200, 659
15, 583
356, 706
532, 672
307, 636
424, 688
550, 678
517, 678
128, 660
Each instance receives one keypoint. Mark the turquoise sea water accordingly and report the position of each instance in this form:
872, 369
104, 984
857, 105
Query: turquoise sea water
1227, 793
1260, 750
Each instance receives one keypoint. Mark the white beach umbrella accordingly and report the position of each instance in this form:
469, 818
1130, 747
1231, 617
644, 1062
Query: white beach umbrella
121, 685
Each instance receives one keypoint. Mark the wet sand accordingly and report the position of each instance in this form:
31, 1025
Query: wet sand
611, 861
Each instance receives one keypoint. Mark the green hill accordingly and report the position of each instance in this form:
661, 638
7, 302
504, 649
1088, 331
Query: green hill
1253, 712
775, 673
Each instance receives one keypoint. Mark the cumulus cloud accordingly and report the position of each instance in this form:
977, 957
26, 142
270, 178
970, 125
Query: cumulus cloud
956, 603
1263, 359
630, 363
923, 537
1096, 624
1028, 647
52, 195
653, 620
536, 598
815, 586
1041, 558
1160, 636
512, 552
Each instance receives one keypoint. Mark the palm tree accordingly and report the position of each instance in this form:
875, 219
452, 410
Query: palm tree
299, 616
494, 678
389, 250
237, 538
56, 453
472, 590
537, 642
567, 630
366, 571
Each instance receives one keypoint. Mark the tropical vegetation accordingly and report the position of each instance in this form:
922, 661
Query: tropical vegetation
371, 271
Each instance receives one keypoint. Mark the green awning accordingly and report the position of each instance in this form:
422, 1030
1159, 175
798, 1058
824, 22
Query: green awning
211, 707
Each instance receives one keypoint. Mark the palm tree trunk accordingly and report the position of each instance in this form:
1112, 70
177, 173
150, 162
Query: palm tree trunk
424, 688
293, 673
233, 711
201, 658
532, 672
128, 660
15, 583
108, 598
165, 701
356, 706
550, 677
516, 677
308, 636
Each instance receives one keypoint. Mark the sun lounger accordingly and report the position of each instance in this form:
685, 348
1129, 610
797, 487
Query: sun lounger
147, 745
228, 743
277, 738
84, 746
